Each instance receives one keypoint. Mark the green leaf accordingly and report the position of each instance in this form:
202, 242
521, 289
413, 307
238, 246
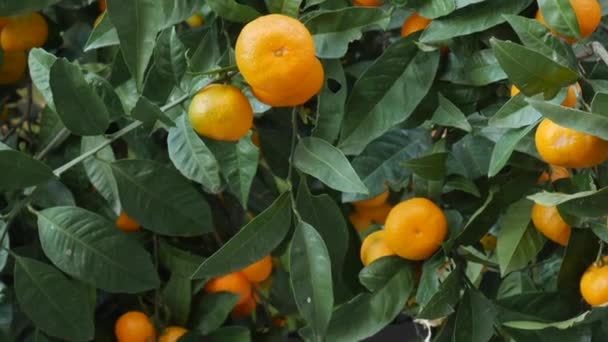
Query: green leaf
207, 54
479, 69
170, 55
470, 157
89, 247
431, 167
475, 18
211, 312
105, 91
443, 302
20, 170
253, 242
148, 112
434, 9
310, 275
103, 35
233, 333
387, 93
287, 7
590, 123
590, 203
380, 161
72, 97
58, 306
332, 31
581, 251
515, 113
137, 22
447, 114
175, 300
599, 104
460, 183
8, 8
321, 160
375, 275
475, 318
479, 223
325, 215
40, 63
238, 164
368, 313
169, 207
517, 243
434, 272
233, 11
192, 157
505, 147
560, 16
179, 261
331, 101
531, 71
99, 171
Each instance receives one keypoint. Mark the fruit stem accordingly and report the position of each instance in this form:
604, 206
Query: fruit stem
599, 261
220, 70
600, 51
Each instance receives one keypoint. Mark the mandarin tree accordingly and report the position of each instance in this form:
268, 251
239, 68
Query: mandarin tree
315, 170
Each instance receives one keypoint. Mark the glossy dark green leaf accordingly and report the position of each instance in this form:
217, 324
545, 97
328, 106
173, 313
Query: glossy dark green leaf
387, 93
148, 112
580, 253
475, 318
331, 101
99, 171
180, 262
103, 35
212, 310
207, 54
577, 334
169, 207
434, 9
321, 160
447, 114
505, 147
332, 31
8, 8
287, 7
375, 275
591, 123
380, 161
471, 19
20, 170
40, 63
52, 193
599, 104
559, 15
515, 113
238, 165
170, 55
531, 71
253, 242
592, 203
175, 12
479, 223
431, 167
231, 10
57, 305
310, 275
89, 247
479, 69
192, 157
434, 272
368, 313
72, 97
470, 157
325, 215
137, 22
518, 243
175, 299
105, 91
232, 333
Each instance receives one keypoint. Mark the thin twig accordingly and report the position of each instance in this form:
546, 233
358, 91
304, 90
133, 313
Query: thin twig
600, 51
62, 134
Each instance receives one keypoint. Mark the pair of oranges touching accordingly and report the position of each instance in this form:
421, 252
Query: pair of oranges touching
135, 326
17, 35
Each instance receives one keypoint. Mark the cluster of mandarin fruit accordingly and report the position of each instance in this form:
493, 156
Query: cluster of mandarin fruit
558, 146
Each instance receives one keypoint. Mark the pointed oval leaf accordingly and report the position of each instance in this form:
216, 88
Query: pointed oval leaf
20, 170
560, 16
475, 319
104, 34
253, 242
321, 160
331, 102
58, 306
447, 114
192, 157
39, 64
375, 275
99, 171
89, 247
212, 310
233, 11
505, 147
160, 199
590, 123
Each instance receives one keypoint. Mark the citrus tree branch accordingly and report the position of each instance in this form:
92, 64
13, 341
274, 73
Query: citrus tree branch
600, 51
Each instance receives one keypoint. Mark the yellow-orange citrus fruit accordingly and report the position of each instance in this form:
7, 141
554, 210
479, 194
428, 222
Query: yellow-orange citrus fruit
374, 247
415, 229
194, 20
557, 172
172, 334
102, 5
588, 15
3, 22
244, 309
574, 91
373, 202
488, 242
134, 326
13, 67
259, 270
566, 147
376, 214
235, 282
367, 3
125, 223
548, 221
594, 283
414, 23
359, 221
276, 56
221, 112
24, 32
